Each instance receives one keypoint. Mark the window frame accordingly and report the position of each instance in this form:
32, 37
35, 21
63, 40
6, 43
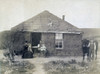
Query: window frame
57, 41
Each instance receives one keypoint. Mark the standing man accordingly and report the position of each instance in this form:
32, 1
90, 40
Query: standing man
85, 48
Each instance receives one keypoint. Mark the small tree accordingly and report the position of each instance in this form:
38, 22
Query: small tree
8, 41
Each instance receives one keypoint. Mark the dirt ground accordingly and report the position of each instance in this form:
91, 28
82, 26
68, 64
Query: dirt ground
40, 61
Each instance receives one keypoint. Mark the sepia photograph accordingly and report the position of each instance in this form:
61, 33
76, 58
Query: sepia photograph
49, 36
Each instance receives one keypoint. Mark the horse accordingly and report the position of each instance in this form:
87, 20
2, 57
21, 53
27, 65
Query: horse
93, 49
96, 48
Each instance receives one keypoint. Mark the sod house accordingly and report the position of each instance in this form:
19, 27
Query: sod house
60, 37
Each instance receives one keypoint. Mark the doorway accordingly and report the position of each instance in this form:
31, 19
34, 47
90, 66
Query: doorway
36, 37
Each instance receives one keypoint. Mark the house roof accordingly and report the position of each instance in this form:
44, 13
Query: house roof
46, 22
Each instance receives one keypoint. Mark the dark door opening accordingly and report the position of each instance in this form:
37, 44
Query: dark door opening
36, 37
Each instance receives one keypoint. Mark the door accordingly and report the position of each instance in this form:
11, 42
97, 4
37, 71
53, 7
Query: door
36, 37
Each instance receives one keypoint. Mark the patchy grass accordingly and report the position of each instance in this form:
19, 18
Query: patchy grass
71, 67
17, 68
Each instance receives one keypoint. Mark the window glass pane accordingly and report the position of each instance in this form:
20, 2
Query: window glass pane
59, 36
58, 44
59, 40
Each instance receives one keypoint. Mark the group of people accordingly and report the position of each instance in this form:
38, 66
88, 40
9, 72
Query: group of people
28, 52
90, 47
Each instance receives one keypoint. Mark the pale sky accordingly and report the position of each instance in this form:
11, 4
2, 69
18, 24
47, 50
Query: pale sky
81, 13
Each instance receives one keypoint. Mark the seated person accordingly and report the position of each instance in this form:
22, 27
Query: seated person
42, 48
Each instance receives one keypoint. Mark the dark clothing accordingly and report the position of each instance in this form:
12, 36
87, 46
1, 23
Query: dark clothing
25, 47
85, 48
26, 52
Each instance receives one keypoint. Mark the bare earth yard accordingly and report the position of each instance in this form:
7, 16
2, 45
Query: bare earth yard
52, 65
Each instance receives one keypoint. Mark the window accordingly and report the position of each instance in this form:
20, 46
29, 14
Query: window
59, 41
